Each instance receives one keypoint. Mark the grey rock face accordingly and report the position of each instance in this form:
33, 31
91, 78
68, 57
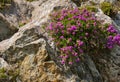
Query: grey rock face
6, 29
117, 20
109, 64
22, 49
31, 51
100, 1
3, 63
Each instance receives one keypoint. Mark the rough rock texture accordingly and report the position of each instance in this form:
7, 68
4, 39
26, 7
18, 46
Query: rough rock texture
117, 20
39, 68
31, 51
6, 29
108, 64
18, 12
3, 63
100, 1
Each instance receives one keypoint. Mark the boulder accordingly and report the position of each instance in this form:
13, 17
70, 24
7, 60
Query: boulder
34, 58
6, 28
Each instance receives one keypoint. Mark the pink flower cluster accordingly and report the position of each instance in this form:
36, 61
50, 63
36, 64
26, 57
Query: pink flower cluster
78, 31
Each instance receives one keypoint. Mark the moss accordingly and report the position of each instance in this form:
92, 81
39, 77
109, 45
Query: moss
9, 74
21, 24
90, 8
4, 3
3, 73
2, 70
13, 74
106, 7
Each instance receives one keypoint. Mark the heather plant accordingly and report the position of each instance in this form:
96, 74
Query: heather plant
77, 32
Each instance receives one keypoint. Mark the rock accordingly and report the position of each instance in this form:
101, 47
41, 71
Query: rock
117, 20
6, 29
102, 17
100, 1
27, 50
3, 63
18, 12
40, 68
109, 64
31, 51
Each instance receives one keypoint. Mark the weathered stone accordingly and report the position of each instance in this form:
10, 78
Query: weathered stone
6, 29
104, 18
117, 20
109, 64
31, 51
39, 68
3, 63
100, 1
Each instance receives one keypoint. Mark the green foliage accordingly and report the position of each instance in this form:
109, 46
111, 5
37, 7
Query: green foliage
13, 74
106, 7
4, 3
9, 74
2, 70
90, 8
78, 31
21, 24
2, 73
110, 9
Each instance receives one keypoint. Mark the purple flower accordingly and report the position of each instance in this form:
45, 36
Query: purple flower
63, 62
61, 18
70, 39
80, 43
64, 14
69, 18
74, 17
80, 37
68, 48
70, 62
61, 37
78, 59
94, 23
86, 34
84, 10
79, 24
66, 56
75, 54
80, 50
110, 38
63, 32
73, 28
73, 33
50, 26
116, 38
111, 29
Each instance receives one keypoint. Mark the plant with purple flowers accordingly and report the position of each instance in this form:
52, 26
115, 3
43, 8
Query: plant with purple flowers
77, 31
